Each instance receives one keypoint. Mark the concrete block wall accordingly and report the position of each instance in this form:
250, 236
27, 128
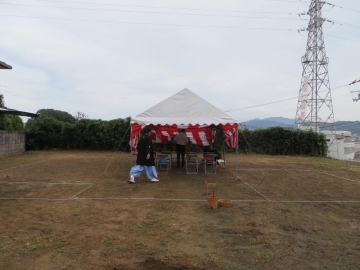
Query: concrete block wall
12, 142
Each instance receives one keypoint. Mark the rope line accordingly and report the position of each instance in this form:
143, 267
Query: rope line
264, 175
122, 139
258, 192
255, 190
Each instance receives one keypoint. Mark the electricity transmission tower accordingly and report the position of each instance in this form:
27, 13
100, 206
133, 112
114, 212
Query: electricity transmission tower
358, 98
314, 108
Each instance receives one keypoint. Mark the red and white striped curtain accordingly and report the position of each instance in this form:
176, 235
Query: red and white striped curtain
202, 136
197, 135
231, 135
134, 137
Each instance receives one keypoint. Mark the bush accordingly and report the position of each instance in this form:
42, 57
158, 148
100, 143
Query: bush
86, 134
280, 141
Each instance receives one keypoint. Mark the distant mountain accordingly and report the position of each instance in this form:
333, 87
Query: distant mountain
353, 126
281, 120
267, 122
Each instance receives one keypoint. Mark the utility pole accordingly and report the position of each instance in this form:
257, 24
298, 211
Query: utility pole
358, 97
314, 108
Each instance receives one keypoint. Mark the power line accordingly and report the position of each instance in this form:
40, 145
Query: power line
349, 126
302, 30
261, 104
276, 101
153, 24
156, 12
345, 24
291, 1
344, 8
161, 7
342, 38
330, 4
186, 14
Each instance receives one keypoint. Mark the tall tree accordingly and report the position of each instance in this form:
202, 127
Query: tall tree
10, 122
56, 114
80, 116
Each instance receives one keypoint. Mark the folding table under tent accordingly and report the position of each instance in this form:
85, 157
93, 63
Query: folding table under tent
185, 110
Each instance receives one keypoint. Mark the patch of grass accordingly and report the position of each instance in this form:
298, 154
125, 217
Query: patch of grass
109, 241
353, 265
58, 247
121, 248
36, 244
211, 261
231, 266
267, 257
227, 231
141, 245
21, 251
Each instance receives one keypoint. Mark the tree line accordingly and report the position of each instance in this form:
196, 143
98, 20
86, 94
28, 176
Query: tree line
60, 130
55, 129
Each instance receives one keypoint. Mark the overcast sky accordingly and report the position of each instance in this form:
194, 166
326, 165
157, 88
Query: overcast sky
116, 58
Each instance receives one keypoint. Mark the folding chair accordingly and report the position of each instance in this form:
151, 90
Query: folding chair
209, 162
162, 163
191, 163
169, 153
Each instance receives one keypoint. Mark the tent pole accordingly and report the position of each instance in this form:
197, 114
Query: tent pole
237, 152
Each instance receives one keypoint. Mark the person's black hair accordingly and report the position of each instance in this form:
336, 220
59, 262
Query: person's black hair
147, 130
182, 130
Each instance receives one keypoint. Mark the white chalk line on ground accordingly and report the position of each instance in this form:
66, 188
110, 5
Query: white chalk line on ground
180, 200
292, 170
48, 183
341, 177
27, 164
316, 171
75, 196
42, 161
45, 183
267, 200
281, 169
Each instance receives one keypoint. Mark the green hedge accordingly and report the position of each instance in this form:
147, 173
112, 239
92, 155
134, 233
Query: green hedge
280, 141
48, 133
87, 134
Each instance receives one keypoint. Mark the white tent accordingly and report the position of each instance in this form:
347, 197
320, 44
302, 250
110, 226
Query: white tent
186, 110
183, 109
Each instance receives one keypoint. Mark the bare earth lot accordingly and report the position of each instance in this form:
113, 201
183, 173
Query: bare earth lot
75, 210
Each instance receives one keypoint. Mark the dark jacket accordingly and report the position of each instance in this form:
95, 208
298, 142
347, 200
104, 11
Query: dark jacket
144, 147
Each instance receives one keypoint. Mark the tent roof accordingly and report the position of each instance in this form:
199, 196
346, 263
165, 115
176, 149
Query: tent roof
183, 108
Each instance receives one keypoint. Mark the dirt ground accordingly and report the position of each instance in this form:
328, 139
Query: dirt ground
76, 210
